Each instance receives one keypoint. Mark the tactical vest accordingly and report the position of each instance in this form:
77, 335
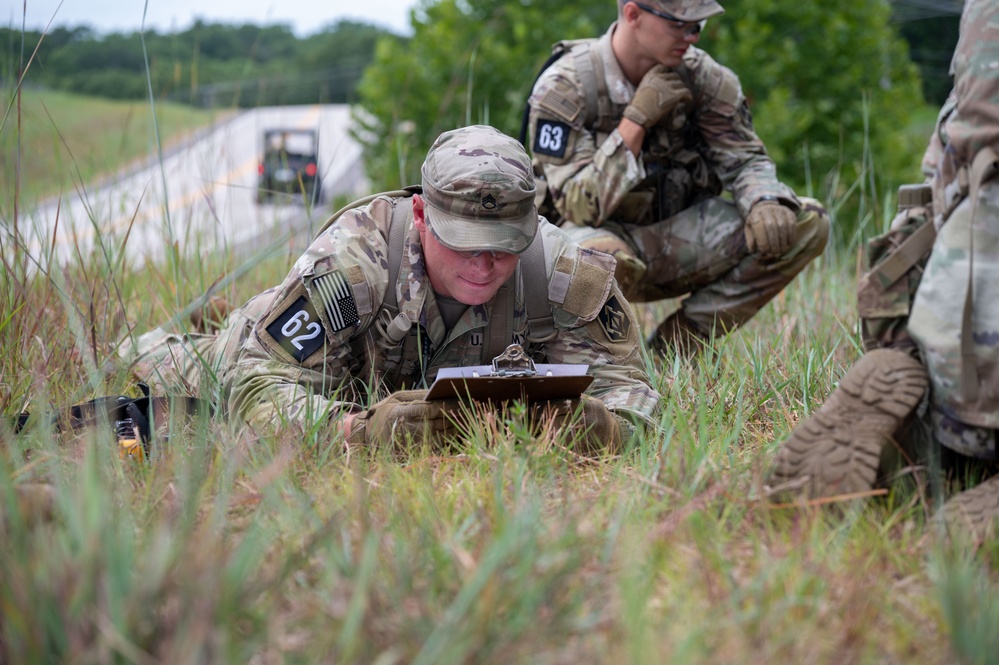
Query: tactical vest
677, 177
401, 344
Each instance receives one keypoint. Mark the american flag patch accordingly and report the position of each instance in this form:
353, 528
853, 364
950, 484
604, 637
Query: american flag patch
337, 299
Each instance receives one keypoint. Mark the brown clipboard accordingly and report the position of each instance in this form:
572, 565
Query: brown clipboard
479, 383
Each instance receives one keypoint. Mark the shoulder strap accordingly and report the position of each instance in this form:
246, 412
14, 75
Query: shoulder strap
557, 52
586, 67
540, 324
396, 247
404, 192
906, 255
390, 324
500, 321
591, 71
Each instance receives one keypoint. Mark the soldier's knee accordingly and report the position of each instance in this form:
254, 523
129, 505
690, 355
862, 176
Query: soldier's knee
629, 272
630, 269
812, 228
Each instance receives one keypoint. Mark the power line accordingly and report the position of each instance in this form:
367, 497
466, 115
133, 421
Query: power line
917, 10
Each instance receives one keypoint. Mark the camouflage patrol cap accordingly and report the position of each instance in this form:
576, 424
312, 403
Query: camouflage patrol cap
688, 10
479, 191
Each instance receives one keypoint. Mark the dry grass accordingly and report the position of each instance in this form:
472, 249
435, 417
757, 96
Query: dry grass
236, 549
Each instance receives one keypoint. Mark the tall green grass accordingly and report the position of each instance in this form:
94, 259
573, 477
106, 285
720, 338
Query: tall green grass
61, 141
234, 548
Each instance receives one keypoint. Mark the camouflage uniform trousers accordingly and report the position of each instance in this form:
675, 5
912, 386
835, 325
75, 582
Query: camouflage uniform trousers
937, 318
702, 251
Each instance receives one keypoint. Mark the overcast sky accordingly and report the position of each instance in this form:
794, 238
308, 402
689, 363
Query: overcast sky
305, 16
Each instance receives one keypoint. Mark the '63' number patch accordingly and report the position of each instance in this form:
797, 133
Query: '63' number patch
550, 138
298, 329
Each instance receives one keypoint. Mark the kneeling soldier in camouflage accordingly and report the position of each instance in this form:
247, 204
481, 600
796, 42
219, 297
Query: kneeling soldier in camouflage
929, 315
403, 284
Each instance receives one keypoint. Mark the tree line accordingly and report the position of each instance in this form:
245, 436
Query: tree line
208, 64
245, 64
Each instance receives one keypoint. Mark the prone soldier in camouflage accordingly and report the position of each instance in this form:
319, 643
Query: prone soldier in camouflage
637, 135
940, 363
341, 332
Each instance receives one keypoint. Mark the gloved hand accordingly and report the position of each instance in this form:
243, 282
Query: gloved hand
406, 414
659, 92
596, 428
770, 229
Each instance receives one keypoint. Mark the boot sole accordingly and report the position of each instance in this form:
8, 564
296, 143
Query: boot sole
836, 451
974, 512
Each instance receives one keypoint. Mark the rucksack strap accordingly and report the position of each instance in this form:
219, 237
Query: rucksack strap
905, 256
590, 68
500, 321
540, 324
400, 342
557, 52
396, 248
404, 192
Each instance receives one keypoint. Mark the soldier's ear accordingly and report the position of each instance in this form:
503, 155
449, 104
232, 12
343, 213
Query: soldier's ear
419, 221
630, 12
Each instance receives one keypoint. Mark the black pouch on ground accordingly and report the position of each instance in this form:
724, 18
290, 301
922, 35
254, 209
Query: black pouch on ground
130, 417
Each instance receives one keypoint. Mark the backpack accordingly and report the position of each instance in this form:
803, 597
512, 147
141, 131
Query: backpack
132, 419
895, 263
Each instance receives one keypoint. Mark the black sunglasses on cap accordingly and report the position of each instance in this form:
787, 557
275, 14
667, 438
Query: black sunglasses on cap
689, 28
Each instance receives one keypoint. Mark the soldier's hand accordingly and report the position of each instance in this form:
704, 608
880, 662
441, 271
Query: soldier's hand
405, 415
770, 229
659, 93
597, 428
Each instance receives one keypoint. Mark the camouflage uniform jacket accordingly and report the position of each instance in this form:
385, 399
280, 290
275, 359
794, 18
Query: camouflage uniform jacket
975, 99
708, 144
310, 347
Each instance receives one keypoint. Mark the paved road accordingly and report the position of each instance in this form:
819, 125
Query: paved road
201, 196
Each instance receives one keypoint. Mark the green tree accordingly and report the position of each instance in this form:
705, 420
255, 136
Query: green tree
830, 84
207, 63
830, 87
468, 62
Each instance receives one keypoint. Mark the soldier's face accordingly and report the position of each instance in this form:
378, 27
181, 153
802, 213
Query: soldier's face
471, 280
662, 40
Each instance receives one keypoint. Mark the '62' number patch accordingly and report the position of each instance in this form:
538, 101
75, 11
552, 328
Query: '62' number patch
550, 138
298, 329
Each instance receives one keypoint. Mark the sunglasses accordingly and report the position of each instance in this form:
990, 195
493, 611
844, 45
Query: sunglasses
468, 254
688, 28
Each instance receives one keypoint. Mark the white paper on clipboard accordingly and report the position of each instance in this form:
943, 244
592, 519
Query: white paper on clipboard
480, 383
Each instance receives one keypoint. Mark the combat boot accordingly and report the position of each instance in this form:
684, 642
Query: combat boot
837, 450
973, 512
679, 333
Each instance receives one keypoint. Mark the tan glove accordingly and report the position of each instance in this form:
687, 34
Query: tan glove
597, 429
659, 92
405, 415
770, 229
